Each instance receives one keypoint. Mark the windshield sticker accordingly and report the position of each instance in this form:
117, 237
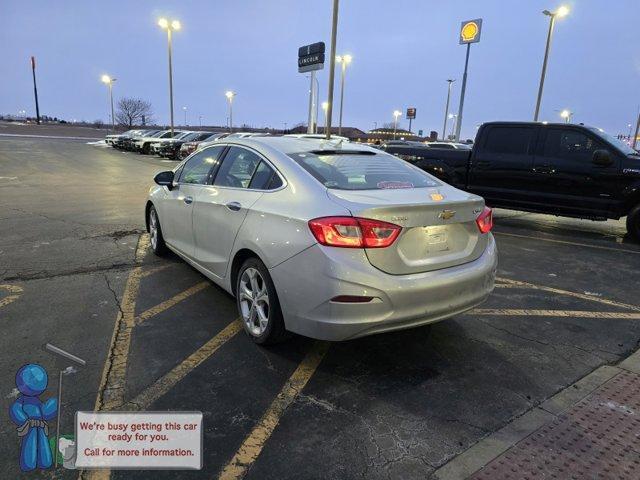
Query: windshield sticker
391, 184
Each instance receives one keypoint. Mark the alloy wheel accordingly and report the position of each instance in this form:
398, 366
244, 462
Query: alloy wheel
153, 228
254, 301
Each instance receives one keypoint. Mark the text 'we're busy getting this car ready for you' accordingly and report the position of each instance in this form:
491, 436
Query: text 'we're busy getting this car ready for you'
324, 238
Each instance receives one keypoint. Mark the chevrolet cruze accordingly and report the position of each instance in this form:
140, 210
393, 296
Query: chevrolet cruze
328, 239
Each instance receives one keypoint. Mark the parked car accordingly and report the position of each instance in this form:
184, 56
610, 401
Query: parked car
143, 144
154, 148
329, 240
449, 145
561, 169
114, 139
171, 148
126, 142
188, 148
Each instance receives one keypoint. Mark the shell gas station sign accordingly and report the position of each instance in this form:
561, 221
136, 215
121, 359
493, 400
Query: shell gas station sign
470, 31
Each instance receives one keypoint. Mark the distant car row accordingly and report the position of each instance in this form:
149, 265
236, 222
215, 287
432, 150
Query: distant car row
176, 146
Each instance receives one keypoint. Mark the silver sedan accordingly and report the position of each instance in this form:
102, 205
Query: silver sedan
328, 239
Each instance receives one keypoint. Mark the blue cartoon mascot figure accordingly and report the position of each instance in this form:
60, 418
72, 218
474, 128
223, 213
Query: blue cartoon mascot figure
31, 416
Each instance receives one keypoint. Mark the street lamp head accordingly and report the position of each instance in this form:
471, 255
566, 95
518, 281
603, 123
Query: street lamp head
451, 80
347, 59
562, 11
106, 79
229, 94
397, 113
325, 106
175, 25
163, 22
565, 113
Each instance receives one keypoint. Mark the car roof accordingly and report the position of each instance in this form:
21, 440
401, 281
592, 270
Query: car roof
286, 144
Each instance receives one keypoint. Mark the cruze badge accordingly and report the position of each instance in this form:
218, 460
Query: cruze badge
447, 214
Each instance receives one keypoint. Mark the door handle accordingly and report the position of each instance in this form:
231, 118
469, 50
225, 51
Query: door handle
188, 200
233, 206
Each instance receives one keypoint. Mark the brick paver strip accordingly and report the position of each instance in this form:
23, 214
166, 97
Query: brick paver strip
599, 438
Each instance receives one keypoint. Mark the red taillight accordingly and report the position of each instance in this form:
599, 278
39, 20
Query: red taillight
485, 220
353, 232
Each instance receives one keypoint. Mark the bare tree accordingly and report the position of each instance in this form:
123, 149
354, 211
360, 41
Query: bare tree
132, 111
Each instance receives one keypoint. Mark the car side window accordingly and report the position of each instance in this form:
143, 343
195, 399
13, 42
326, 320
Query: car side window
265, 178
238, 168
508, 140
570, 144
199, 167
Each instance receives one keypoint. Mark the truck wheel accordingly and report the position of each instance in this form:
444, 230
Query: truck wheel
633, 223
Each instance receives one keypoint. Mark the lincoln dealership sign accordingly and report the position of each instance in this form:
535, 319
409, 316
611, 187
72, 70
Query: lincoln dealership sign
311, 57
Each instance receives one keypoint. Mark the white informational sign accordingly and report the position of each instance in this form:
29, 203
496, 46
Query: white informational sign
139, 440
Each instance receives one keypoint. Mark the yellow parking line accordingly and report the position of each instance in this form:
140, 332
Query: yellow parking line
566, 242
15, 289
164, 384
111, 391
152, 270
507, 283
143, 247
161, 307
254, 443
555, 313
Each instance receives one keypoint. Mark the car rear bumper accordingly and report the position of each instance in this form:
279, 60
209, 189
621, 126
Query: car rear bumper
307, 282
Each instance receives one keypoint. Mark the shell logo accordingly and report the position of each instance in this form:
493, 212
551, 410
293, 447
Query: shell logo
469, 31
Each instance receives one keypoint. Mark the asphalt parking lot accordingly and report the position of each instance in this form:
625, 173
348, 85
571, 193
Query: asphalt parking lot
75, 271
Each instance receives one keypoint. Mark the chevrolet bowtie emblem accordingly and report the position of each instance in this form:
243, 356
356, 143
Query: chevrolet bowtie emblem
447, 214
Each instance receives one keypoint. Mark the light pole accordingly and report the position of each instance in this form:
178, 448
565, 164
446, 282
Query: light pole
230, 94
566, 114
446, 108
453, 117
396, 114
635, 135
332, 66
344, 60
629, 126
200, 119
170, 26
184, 109
106, 79
325, 109
561, 12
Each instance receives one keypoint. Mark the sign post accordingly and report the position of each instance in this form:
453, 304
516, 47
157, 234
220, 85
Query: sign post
311, 59
35, 88
469, 33
411, 115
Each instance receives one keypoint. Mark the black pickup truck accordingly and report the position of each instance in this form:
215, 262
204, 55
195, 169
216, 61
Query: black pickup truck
561, 169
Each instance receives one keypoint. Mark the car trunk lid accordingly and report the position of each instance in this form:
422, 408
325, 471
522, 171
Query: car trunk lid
439, 227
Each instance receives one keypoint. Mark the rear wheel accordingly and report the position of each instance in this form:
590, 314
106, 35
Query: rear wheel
155, 233
146, 148
633, 223
258, 304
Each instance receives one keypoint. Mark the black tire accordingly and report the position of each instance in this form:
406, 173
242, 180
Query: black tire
633, 223
155, 233
274, 332
146, 148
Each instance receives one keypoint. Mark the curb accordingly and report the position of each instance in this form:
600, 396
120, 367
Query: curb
477, 456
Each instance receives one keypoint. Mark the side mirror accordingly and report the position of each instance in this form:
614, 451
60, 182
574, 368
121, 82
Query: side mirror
602, 158
164, 179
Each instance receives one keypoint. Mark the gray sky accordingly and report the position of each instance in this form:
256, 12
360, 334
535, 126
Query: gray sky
403, 51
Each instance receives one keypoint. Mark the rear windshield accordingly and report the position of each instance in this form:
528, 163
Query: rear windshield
363, 172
